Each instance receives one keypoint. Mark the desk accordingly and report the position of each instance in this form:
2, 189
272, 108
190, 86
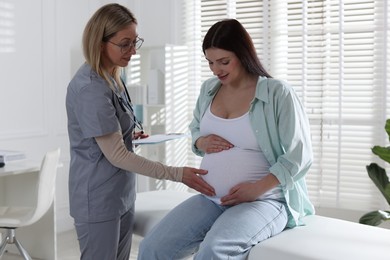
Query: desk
39, 239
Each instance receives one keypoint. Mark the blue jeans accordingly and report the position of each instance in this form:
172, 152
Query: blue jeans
210, 231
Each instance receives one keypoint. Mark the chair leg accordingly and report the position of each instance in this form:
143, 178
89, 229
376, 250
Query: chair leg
22, 251
11, 239
3, 245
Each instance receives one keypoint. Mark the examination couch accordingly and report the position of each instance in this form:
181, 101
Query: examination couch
321, 238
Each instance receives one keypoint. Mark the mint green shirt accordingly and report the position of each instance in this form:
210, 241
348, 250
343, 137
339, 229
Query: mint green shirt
282, 130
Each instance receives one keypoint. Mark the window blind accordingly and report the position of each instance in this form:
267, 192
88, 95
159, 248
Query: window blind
335, 55
133, 71
7, 31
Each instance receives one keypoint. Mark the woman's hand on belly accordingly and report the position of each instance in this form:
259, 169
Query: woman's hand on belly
213, 144
243, 192
249, 191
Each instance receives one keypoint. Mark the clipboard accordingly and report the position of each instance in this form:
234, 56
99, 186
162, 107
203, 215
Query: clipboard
159, 138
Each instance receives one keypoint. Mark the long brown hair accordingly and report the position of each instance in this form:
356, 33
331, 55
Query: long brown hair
230, 35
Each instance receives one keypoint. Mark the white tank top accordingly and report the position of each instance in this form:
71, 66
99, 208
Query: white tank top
243, 163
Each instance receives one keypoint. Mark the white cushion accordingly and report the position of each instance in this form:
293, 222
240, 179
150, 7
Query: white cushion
152, 206
324, 238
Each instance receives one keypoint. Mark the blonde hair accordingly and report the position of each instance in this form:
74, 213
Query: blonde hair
101, 27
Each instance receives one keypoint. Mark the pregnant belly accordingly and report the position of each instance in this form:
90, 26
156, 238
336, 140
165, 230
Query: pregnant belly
231, 167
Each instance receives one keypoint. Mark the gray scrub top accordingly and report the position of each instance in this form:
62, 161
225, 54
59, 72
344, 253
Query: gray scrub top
98, 191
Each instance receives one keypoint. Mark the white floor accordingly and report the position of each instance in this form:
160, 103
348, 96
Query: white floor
67, 248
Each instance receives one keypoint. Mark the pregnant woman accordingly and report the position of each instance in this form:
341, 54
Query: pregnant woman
254, 137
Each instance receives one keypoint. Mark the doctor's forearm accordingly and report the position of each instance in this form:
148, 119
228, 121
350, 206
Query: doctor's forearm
115, 151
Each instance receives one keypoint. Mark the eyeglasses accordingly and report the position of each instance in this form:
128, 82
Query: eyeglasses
126, 46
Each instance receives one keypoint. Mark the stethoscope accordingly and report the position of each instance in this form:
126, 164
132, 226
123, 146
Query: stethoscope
126, 105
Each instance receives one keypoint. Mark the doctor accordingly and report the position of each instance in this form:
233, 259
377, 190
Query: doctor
101, 127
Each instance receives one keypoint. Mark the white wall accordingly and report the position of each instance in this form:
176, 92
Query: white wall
40, 49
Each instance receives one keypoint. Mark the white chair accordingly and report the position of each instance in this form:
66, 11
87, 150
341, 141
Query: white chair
12, 217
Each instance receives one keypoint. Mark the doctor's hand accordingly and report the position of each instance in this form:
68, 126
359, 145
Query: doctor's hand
139, 135
212, 144
192, 179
